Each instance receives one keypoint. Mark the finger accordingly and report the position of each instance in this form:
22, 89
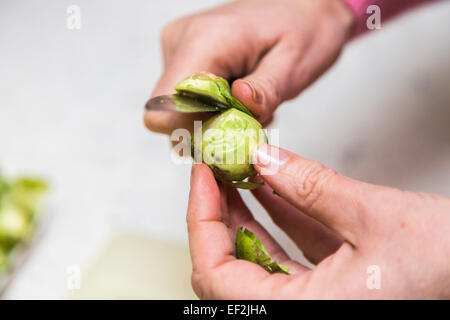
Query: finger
184, 63
241, 216
209, 240
274, 80
216, 272
332, 199
314, 239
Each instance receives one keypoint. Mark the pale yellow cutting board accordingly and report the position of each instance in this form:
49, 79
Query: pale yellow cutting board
137, 267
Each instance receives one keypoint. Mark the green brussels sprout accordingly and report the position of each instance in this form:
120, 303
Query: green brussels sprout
204, 84
227, 144
14, 223
210, 87
27, 193
250, 248
3, 259
19, 204
229, 138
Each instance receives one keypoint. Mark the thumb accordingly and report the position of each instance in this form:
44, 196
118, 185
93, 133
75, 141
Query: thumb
274, 80
341, 203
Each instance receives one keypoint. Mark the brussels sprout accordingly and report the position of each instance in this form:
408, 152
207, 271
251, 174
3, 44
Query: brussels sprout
248, 247
227, 143
3, 261
14, 224
228, 139
27, 193
210, 87
19, 202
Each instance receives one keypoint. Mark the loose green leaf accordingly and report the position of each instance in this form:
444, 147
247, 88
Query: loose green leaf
250, 248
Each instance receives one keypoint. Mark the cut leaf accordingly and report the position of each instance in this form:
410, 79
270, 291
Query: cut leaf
191, 105
212, 87
203, 84
250, 248
235, 103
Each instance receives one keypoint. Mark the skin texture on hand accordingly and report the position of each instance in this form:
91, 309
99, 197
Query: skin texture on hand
273, 49
342, 225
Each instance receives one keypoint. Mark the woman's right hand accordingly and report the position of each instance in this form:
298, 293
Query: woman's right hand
273, 49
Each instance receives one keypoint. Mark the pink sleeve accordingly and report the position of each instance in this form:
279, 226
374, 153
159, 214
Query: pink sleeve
388, 8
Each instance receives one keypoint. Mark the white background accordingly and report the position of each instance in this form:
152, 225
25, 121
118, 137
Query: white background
71, 105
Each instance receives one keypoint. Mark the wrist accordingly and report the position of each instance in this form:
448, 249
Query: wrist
347, 17
339, 15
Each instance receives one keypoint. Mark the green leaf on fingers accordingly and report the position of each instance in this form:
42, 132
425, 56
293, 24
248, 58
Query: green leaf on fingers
250, 248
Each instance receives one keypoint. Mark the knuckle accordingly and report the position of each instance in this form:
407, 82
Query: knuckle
271, 90
217, 24
171, 32
167, 33
199, 25
310, 182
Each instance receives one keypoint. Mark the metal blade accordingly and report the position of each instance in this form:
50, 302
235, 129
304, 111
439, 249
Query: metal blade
184, 104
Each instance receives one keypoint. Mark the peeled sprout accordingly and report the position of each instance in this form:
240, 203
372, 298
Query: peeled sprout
226, 141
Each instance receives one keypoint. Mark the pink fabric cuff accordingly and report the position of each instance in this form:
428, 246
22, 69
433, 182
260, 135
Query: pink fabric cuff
388, 8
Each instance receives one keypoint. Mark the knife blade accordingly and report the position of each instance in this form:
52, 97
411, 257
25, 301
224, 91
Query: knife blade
184, 103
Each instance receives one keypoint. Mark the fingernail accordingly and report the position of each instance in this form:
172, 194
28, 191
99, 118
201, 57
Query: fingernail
269, 159
256, 97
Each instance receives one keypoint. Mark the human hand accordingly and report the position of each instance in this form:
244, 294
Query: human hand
342, 225
275, 48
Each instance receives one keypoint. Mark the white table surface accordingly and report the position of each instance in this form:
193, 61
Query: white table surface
71, 104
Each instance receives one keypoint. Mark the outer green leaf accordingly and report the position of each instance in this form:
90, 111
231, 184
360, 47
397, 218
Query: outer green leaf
189, 105
202, 83
250, 248
211, 86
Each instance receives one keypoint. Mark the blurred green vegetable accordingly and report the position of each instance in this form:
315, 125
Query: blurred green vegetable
229, 138
248, 247
19, 203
